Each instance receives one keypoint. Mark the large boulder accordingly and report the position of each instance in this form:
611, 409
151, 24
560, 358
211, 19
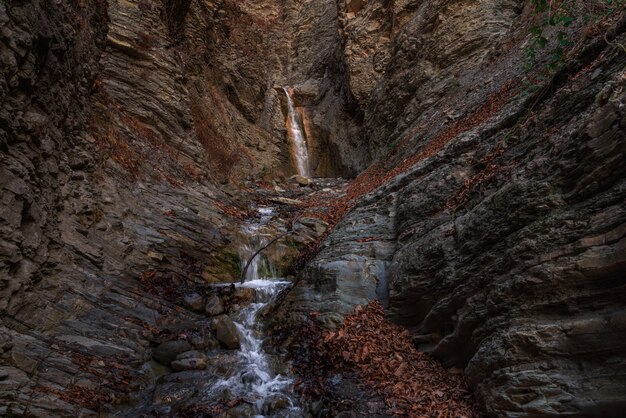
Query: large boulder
168, 351
226, 332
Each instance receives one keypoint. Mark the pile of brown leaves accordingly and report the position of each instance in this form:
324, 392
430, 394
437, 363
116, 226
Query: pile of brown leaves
384, 358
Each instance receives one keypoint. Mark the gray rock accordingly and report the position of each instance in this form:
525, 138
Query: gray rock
240, 411
275, 403
168, 351
226, 331
191, 355
205, 341
194, 302
312, 226
214, 306
251, 378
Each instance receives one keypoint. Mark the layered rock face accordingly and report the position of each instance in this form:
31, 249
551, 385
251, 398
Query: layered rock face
78, 227
502, 246
128, 128
118, 120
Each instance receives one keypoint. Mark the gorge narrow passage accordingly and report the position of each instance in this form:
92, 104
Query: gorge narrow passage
435, 191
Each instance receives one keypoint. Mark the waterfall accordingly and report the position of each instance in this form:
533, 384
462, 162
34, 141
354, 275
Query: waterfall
298, 143
258, 264
252, 376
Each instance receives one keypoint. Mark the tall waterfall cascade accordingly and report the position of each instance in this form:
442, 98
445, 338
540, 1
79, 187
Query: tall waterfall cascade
299, 149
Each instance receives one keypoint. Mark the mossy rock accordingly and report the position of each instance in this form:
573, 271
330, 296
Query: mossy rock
222, 267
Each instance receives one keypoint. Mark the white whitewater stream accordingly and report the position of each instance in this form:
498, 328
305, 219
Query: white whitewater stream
256, 381
296, 135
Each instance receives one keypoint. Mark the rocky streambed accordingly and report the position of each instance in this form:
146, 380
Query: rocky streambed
217, 364
215, 357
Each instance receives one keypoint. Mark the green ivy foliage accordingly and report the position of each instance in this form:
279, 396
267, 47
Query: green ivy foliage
560, 15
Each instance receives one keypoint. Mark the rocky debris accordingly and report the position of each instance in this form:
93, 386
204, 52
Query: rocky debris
226, 331
168, 351
194, 302
214, 306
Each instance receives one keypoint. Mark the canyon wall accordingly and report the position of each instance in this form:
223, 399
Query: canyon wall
500, 243
129, 129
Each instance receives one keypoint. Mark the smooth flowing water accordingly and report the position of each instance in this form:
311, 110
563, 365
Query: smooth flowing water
296, 135
256, 379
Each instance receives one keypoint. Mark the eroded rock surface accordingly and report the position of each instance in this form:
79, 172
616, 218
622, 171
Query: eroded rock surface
502, 248
132, 134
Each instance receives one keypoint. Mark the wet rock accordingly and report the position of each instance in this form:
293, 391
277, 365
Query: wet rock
214, 306
204, 341
243, 296
241, 411
226, 331
193, 354
194, 302
192, 363
275, 403
168, 351
223, 363
251, 378
172, 392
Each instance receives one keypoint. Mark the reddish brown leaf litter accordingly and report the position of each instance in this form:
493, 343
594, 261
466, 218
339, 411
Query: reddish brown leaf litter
489, 171
232, 210
110, 380
385, 360
88, 398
